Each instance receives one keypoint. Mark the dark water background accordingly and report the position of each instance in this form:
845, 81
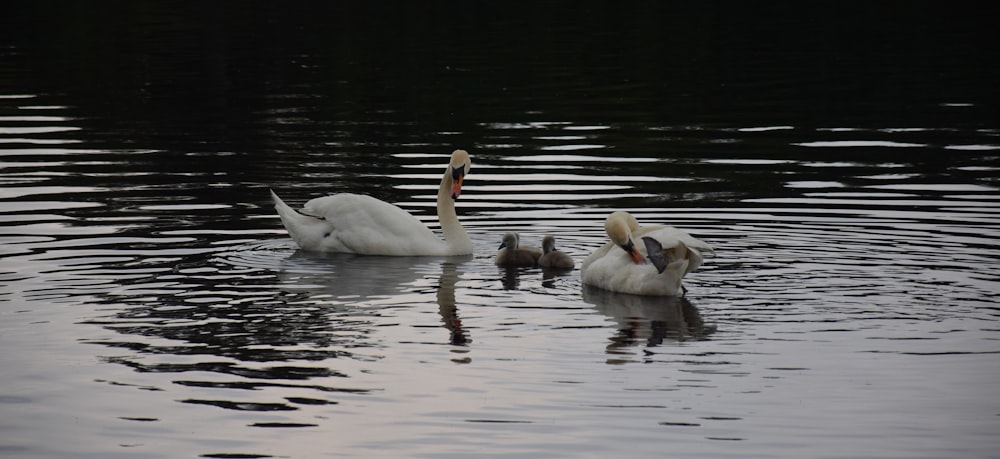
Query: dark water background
841, 158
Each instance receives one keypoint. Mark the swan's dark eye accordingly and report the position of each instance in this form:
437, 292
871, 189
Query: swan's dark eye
457, 172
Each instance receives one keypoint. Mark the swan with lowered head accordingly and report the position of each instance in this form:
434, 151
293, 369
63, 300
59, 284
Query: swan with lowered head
512, 254
673, 253
553, 258
361, 224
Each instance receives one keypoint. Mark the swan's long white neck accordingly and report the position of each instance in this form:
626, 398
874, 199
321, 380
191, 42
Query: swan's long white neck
455, 237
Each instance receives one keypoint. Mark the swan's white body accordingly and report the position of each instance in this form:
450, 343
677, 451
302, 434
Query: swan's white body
626, 270
354, 223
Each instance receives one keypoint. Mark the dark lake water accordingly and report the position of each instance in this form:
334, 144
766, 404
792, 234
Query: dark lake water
843, 161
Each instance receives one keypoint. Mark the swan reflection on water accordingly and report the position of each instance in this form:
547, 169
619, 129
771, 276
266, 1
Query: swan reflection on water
360, 278
648, 320
447, 307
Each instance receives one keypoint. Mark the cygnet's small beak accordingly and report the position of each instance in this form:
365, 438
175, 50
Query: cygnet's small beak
502, 245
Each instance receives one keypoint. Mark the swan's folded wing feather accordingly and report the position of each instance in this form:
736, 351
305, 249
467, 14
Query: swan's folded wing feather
363, 224
670, 236
310, 213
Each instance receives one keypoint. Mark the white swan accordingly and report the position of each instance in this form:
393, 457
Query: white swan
511, 253
361, 224
673, 254
553, 258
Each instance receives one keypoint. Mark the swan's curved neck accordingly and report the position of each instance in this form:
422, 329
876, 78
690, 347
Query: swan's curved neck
454, 234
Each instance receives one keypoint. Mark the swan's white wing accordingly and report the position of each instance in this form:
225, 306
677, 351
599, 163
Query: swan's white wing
677, 245
667, 235
363, 224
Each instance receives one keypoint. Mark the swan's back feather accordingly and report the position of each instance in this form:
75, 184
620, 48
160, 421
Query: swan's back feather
363, 224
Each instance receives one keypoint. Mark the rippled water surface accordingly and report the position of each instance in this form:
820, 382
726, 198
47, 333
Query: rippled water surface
152, 305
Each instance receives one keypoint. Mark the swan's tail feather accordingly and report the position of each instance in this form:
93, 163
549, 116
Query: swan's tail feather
283, 210
297, 223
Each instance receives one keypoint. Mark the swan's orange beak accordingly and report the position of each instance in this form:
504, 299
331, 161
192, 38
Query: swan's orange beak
633, 253
457, 175
456, 187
